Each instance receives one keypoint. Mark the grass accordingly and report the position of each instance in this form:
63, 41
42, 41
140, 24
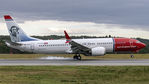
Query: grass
74, 75
107, 56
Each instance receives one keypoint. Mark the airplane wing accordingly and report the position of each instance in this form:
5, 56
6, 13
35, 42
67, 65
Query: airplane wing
76, 47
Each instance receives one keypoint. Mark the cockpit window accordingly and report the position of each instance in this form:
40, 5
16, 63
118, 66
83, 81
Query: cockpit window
138, 42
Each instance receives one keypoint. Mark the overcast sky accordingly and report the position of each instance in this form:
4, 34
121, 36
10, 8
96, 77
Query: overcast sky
126, 18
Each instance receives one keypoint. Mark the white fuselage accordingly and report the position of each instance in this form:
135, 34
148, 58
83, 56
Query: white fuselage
61, 47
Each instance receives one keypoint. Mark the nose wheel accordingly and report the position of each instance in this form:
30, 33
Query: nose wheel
77, 57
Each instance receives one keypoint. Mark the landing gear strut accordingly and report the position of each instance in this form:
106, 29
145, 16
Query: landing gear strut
77, 57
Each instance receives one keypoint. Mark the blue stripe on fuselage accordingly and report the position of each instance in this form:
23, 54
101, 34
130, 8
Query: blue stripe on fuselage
26, 38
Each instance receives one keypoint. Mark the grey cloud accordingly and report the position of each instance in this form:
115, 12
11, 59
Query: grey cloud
123, 12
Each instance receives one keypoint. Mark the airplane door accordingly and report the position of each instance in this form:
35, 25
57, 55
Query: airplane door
131, 43
29, 47
32, 47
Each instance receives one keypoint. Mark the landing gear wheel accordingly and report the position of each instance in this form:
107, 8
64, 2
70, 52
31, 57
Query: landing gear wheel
77, 57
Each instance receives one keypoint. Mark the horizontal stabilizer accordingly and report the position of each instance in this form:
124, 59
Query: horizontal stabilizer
12, 43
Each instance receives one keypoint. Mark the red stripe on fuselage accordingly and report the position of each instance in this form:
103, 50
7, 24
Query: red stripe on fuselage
124, 44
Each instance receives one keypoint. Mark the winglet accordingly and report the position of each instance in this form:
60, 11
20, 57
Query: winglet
68, 39
8, 18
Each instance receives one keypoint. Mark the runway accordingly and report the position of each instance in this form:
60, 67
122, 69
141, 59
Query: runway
71, 62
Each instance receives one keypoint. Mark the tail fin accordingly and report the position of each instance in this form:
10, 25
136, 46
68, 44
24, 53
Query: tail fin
16, 33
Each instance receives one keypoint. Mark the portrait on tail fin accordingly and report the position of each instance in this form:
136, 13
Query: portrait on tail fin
14, 33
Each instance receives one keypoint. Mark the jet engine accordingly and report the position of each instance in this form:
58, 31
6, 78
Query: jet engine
98, 51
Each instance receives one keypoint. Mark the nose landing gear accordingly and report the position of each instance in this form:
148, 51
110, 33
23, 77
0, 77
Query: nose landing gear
77, 57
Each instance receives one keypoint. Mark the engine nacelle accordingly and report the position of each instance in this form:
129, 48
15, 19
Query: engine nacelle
98, 51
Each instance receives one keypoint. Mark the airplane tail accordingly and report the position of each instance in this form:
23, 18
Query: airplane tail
16, 33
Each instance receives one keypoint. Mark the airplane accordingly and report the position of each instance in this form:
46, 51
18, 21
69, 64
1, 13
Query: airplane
88, 47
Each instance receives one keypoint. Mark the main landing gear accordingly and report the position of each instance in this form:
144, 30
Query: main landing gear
77, 57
